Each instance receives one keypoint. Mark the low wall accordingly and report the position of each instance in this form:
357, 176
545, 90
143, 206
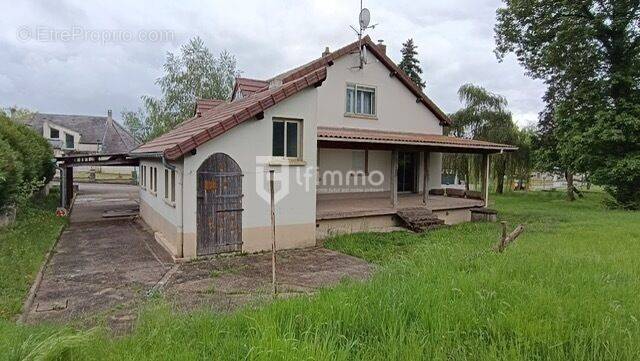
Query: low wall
332, 227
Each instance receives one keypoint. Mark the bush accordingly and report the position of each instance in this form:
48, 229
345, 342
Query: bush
25, 159
10, 172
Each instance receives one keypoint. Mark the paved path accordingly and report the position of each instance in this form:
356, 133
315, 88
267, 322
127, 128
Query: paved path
105, 267
99, 265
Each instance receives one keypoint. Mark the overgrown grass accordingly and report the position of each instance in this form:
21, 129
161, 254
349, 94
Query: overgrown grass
23, 246
566, 290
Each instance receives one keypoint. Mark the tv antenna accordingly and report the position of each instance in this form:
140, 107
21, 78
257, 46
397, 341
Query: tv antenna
363, 19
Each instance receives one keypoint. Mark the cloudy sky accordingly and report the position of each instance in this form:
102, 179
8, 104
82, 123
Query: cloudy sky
74, 57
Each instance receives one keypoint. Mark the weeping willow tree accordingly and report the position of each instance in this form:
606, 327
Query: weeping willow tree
484, 116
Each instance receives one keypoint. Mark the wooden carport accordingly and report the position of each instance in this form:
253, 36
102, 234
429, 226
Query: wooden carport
67, 162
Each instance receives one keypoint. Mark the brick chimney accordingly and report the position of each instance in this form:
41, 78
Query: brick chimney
326, 51
382, 46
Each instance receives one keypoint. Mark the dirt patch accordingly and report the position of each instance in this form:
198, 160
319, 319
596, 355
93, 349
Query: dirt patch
225, 283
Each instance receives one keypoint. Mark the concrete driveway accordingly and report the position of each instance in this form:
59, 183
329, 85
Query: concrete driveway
100, 264
105, 267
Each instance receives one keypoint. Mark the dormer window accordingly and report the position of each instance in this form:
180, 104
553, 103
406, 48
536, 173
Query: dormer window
69, 141
361, 100
54, 133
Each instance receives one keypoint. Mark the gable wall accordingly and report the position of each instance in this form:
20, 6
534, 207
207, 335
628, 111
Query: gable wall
396, 108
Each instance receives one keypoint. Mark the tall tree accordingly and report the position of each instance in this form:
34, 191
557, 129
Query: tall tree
484, 116
410, 63
588, 53
194, 73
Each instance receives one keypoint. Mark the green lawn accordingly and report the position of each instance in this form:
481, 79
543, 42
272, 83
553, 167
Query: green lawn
568, 289
23, 246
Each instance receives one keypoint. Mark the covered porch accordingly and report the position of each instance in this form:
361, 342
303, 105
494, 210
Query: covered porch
410, 164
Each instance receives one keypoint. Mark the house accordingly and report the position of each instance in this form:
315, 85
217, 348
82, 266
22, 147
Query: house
354, 145
84, 134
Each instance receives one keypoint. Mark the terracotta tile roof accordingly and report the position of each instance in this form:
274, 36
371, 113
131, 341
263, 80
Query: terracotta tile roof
214, 122
248, 86
202, 105
394, 70
390, 137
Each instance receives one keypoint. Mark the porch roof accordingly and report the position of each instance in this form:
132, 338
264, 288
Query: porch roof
377, 139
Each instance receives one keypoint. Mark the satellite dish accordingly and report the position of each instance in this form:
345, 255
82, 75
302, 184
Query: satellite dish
365, 18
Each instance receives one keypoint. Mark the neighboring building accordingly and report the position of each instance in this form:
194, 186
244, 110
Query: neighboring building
84, 134
353, 142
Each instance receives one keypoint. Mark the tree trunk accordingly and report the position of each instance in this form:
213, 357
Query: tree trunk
501, 170
500, 184
569, 176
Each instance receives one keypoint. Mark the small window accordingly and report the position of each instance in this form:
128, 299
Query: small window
166, 184
360, 160
173, 186
155, 179
361, 100
54, 133
287, 136
69, 142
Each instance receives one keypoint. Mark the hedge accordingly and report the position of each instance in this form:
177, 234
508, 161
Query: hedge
25, 157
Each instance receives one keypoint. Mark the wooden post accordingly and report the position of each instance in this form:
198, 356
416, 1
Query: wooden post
69, 186
485, 179
273, 235
63, 187
425, 177
394, 178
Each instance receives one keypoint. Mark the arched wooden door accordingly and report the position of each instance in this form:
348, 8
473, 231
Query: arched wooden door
219, 218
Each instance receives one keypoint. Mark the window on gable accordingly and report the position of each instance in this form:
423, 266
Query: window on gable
54, 133
287, 138
361, 100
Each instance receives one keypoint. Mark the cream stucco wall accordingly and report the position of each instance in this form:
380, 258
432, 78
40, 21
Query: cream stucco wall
246, 144
396, 108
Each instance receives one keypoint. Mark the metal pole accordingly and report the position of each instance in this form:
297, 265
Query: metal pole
273, 235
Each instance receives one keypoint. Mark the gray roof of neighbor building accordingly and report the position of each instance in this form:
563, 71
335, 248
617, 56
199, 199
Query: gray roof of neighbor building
93, 130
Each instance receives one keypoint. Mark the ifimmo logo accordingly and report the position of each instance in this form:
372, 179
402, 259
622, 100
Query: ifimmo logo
306, 178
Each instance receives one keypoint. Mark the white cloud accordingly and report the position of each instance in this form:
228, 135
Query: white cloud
455, 40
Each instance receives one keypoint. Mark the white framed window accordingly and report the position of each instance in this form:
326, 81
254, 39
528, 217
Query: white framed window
143, 176
361, 100
166, 184
287, 138
69, 141
54, 133
155, 179
170, 185
172, 194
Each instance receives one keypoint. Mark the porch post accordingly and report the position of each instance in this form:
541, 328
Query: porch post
485, 179
394, 178
425, 177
